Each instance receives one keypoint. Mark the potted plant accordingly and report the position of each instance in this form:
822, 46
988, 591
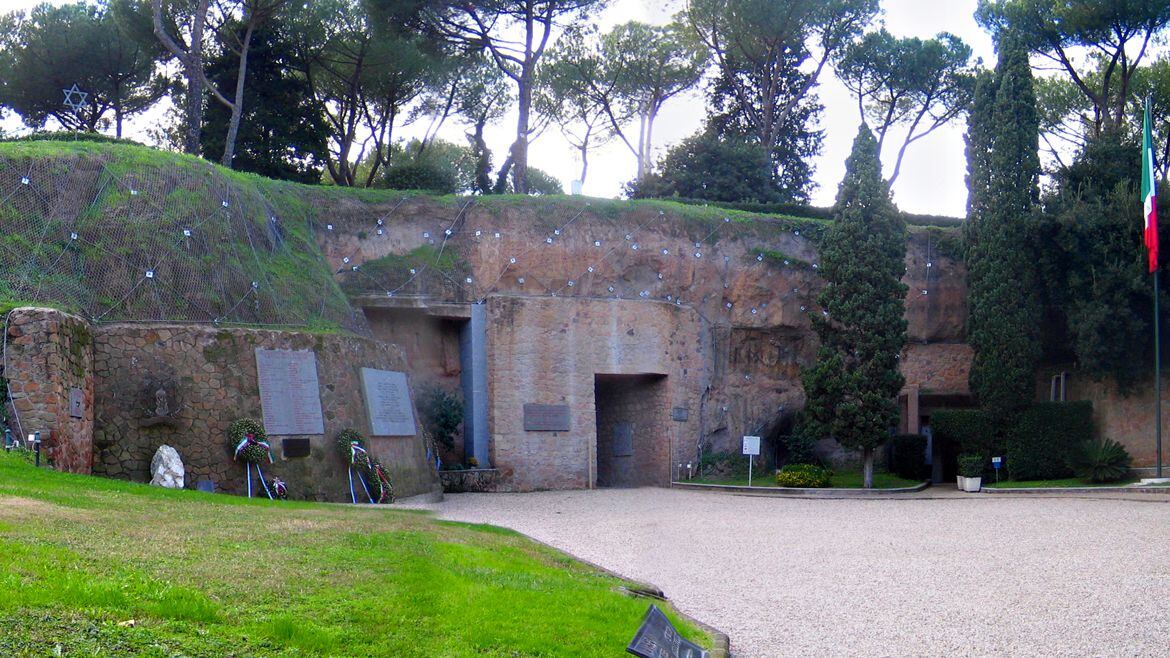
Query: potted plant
970, 472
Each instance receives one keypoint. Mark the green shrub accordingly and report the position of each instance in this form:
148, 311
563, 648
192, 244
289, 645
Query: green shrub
970, 430
804, 475
971, 464
909, 458
801, 446
1100, 461
420, 176
1044, 436
442, 413
723, 464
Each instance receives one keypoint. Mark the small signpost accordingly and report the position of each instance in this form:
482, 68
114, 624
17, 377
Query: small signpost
657, 638
751, 448
997, 463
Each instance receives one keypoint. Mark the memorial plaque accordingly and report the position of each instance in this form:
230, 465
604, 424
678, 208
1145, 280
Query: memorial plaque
289, 394
388, 402
546, 417
623, 440
292, 448
657, 638
76, 403
680, 414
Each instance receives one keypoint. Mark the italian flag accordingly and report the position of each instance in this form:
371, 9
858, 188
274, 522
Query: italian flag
1149, 196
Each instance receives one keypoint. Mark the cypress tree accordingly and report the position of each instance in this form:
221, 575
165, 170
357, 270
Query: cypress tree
1003, 324
853, 386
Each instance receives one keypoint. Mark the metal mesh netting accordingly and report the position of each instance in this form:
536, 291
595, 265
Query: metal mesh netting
119, 238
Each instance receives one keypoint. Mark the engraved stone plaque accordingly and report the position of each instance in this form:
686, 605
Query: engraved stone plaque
289, 393
76, 403
623, 440
546, 417
680, 414
388, 402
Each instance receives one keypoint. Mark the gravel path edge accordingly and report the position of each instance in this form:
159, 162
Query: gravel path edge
720, 641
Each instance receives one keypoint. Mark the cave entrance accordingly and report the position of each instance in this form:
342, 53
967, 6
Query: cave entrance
633, 430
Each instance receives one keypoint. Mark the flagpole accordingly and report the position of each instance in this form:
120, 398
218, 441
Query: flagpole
1157, 379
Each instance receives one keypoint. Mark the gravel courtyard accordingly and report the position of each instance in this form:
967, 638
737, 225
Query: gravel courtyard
952, 575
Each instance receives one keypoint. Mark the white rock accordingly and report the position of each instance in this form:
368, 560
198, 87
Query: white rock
166, 468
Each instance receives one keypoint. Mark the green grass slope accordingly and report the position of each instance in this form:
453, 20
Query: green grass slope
102, 567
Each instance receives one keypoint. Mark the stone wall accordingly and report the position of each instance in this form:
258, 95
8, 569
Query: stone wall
750, 287
209, 379
633, 431
1127, 418
552, 350
48, 355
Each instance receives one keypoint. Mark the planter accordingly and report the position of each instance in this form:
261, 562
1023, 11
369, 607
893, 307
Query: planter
970, 485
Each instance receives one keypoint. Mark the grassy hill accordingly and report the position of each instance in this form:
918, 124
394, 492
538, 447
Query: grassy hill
102, 567
120, 232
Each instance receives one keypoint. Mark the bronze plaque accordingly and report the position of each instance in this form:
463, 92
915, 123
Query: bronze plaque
546, 417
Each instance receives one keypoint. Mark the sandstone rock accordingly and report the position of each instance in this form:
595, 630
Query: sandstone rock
166, 468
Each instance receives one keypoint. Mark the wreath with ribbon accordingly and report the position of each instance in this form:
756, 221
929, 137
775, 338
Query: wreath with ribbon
381, 489
248, 442
278, 488
351, 446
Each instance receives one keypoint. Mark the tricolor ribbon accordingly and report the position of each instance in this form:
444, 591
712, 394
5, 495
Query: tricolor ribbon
354, 449
248, 440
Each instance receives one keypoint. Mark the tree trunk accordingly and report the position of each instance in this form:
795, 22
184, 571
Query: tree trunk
519, 153
191, 60
229, 142
584, 162
867, 468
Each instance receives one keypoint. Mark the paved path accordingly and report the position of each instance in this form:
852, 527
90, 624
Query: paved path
963, 575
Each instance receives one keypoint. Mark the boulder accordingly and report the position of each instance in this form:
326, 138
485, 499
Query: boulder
166, 469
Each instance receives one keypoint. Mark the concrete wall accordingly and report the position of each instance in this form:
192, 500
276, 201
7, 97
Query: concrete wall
549, 351
48, 354
211, 380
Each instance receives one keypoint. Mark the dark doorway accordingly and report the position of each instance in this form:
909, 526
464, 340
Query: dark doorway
633, 430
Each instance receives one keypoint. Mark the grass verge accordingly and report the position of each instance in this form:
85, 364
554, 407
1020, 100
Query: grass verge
1052, 484
104, 567
839, 481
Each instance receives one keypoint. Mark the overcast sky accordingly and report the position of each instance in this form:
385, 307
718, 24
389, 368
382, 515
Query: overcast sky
932, 174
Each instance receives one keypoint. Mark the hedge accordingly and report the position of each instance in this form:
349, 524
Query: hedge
909, 457
1044, 436
972, 430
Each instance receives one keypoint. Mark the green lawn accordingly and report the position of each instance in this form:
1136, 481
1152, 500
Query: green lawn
102, 567
840, 480
1039, 484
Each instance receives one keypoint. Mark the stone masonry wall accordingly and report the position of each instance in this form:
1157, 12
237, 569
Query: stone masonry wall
1126, 418
639, 406
48, 354
550, 350
209, 376
751, 287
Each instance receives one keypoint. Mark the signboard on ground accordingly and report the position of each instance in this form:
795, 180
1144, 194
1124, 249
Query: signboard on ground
289, 395
751, 445
388, 402
657, 638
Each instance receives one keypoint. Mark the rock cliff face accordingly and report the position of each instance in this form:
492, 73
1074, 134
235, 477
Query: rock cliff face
752, 281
